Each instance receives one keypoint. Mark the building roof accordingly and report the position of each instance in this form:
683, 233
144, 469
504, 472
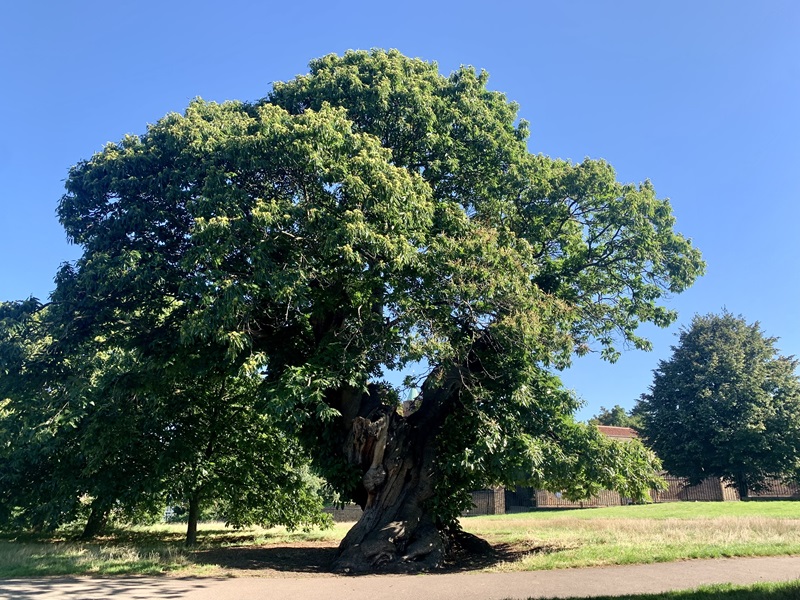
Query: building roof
622, 433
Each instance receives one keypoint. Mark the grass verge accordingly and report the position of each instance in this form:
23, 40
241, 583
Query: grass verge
761, 591
642, 534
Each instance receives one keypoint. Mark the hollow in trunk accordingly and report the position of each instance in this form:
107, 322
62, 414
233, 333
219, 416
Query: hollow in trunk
397, 457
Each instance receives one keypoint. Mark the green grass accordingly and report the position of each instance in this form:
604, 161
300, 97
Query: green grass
672, 510
63, 558
545, 539
761, 591
151, 550
642, 534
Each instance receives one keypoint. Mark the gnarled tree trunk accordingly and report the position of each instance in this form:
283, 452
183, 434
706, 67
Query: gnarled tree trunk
396, 455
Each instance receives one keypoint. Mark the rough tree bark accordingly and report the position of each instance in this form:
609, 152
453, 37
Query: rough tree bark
396, 455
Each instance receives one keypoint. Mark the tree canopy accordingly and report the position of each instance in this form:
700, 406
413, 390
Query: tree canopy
371, 215
98, 428
617, 417
725, 404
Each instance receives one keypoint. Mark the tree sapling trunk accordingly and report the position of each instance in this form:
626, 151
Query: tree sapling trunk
742, 487
194, 515
98, 519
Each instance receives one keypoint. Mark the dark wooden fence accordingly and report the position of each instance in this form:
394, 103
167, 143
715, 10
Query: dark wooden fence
714, 489
679, 490
487, 502
520, 499
778, 490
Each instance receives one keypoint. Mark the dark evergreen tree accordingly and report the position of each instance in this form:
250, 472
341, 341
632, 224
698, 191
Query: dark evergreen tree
726, 404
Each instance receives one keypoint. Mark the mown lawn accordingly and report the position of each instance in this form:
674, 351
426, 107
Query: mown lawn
761, 591
642, 534
544, 539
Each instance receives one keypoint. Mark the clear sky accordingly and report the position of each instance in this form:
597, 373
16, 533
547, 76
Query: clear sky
702, 98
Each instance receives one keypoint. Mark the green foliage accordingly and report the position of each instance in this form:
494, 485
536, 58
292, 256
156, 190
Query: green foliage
617, 417
247, 263
130, 433
726, 404
530, 439
38, 450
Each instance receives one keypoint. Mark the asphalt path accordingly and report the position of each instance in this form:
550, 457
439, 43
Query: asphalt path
634, 579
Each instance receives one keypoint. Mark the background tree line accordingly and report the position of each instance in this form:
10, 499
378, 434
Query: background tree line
725, 404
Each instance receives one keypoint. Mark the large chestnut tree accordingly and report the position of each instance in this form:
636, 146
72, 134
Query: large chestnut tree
363, 219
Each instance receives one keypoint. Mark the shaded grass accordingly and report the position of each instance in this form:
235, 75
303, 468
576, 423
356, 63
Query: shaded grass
151, 550
761, 591
216, 534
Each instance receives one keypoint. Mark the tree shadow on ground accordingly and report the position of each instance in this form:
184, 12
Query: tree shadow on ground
73, 587
289, 559
318, 558
471, 553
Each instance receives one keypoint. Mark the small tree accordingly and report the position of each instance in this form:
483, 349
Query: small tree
89, 429
616, 417
726, 404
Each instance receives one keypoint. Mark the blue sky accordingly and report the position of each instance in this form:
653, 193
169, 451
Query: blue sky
702, 98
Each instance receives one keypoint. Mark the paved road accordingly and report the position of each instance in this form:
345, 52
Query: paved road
464, 586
